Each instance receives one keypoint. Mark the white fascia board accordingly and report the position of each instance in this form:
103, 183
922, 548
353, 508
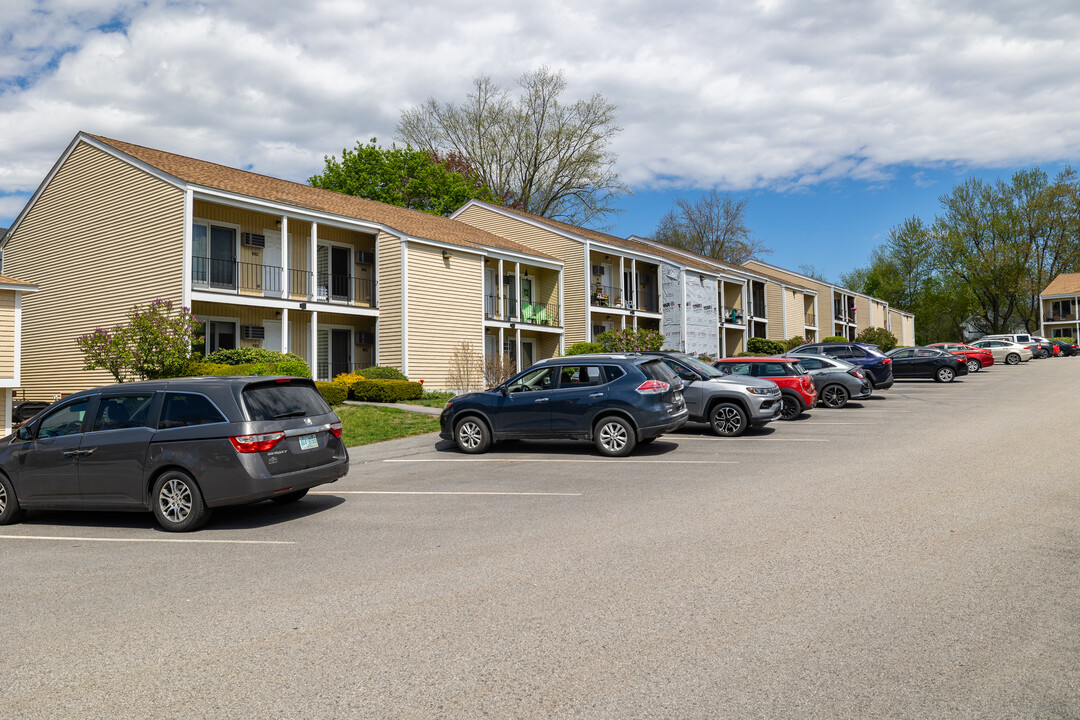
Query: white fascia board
300, 212
519, 257
19, 288
280, 304
614, 249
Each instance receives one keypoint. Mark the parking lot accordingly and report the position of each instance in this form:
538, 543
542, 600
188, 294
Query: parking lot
913, 555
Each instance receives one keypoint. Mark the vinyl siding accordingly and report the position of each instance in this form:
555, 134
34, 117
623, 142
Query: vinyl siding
445, 310
389, 300
7, 333
734, 341
102, 237
796, 318
909, 329
862, 313
774, 310
571, 252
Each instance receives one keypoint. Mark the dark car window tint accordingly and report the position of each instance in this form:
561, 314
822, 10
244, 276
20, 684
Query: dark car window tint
735, 368
812, 363
281, 400
857, 352
811, 350
539, 379
683, 372
186, 409
766, 370
840, 351
656, 370
927, 352
903, 353
583, 376
123, 411
65, 421
614, 372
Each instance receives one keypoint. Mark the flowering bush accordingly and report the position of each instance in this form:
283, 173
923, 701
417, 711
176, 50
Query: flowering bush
154, 343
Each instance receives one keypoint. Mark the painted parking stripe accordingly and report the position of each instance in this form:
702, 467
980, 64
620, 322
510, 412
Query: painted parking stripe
621, 461
440, 492
748, 440
147, 540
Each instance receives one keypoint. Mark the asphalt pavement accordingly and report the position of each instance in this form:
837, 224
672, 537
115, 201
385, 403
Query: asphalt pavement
915, 556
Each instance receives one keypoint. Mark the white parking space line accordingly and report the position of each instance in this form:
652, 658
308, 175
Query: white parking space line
749, 440
827, 422
441, 492
147, 540
621, 461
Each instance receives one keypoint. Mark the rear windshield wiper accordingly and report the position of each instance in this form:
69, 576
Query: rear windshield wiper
294, 413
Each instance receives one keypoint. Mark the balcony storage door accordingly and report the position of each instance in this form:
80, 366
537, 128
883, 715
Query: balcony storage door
340, 352
339, 273
272, 270
491, 293
322, 272
222, 257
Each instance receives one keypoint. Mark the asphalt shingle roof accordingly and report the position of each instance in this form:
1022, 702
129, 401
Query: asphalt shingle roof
1064, 284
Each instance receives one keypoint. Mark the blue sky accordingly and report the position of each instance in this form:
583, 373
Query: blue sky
836, 119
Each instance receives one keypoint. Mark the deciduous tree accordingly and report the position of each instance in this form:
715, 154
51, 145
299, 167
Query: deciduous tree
713, 225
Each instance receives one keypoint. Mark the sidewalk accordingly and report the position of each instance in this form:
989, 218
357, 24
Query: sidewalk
401, 406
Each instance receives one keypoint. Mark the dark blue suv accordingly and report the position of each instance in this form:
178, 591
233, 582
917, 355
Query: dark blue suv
617, 401
877, 366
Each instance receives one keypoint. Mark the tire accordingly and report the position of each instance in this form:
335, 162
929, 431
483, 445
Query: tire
790, 408
1012, 359
289, 497
177, 502
974, 366
834, 396
471, 435
945, 374
614, 437
728, 419
10, 512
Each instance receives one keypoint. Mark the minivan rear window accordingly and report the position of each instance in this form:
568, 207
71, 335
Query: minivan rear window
283, 400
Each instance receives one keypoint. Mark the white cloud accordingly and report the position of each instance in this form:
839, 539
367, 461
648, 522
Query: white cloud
777, 94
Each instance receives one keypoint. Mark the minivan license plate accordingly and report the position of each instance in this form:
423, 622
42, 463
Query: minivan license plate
309, 442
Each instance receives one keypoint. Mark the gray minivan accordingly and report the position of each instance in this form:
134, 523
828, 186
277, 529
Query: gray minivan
177, 448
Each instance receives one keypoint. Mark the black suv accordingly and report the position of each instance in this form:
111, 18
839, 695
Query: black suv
617, 401
174, 447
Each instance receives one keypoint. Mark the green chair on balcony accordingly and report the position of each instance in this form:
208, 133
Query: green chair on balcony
528, 313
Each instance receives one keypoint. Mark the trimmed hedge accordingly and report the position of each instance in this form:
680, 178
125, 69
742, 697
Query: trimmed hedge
762, 346
387, 390
250, 355
584, 348
290, 368
333, 393
383, 372
835, 338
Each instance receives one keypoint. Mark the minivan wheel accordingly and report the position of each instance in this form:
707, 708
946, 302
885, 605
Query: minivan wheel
974, 366
834, 396
1012, 359
289, 497
472, 436
728, 420
178, 504
614, 437
9, 504
790, 408
945, 374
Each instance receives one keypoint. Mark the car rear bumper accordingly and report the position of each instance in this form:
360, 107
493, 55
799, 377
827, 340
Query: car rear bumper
670, 424
252, 488
885, 384
864, 392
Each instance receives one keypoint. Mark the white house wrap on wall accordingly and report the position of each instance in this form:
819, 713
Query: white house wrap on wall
702, 330
671, 300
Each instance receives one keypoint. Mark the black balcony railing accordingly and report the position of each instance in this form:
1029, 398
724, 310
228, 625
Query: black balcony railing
235, 276
345, 289
609, 296
540, 314
500, 307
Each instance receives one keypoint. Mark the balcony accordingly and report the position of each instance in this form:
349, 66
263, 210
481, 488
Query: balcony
241, 278
731, 315
607, 296
505, 309
811, 320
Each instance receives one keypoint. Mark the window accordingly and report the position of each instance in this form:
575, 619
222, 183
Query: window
839, 351
123, 411
539, 379
857, 352
273, 402
735, 368
64, 421
812, 363
771, 369
656, 370
903, 353
927, 352
187, 409
584, 376
614, 372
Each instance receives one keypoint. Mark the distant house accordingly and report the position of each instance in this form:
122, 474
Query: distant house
1057, 307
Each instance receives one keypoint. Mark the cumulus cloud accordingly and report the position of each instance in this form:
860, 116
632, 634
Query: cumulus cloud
735, 95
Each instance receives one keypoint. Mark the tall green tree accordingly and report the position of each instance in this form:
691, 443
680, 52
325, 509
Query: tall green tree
402, 176
534, 152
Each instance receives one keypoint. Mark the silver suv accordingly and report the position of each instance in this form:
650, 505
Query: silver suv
729, 403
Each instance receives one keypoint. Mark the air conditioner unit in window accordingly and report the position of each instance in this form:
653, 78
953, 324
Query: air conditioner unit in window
252, 240
598, 270
365, 338
365, 258
252, 332
597, 330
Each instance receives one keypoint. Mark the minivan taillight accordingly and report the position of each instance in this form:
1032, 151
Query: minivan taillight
256, 443
335, 429
653, 387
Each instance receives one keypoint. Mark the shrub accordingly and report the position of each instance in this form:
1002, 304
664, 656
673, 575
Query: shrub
877, 336
764, 346
498, 369
249, 355
333, 393
584, 348
381, 372
290, 368
155, 343
793, 342
747, 354
630, 340
835, 338
1064, 339
346, 381
387, 390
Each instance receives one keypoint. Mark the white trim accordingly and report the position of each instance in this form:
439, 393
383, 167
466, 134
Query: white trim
286, 257
783, 312
9, 383
7, 412
588, 292
226, 298
562, 310
189, 223
285, 340
207, 319
405, 305
529, 341
682, 310
18, 338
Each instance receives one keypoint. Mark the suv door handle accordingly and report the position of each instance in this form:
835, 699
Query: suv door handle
87, 452
541, 400
71, 453
596, 395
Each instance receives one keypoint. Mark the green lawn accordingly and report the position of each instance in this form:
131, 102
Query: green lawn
365, 424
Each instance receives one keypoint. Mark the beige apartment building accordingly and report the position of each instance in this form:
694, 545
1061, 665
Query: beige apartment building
341, 281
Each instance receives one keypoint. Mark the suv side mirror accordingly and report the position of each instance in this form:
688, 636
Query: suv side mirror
22, 433
504, 389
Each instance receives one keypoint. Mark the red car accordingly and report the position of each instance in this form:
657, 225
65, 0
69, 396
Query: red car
797, 391
976, 358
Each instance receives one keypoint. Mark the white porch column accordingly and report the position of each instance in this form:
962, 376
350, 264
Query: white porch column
622, 283
500, 298
634, 289
185, 284
313, 345
313, 261
517, 290
285, 330
285, 263
517, 348
501, 350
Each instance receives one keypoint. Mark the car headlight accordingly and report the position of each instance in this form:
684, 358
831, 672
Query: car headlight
759, 390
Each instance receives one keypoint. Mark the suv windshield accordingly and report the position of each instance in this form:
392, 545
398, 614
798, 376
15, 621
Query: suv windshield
283, 400
703, 369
